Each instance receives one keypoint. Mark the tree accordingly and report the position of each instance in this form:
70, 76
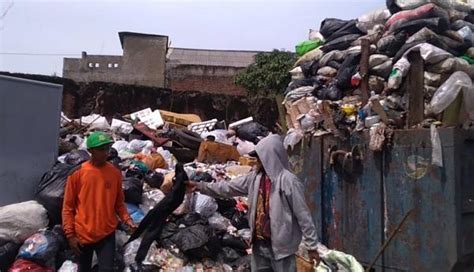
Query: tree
268, 75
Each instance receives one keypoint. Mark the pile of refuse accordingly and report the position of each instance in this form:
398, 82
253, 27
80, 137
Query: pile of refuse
202, 233
326, 96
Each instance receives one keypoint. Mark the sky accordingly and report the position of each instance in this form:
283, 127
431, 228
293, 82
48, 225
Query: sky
35, 35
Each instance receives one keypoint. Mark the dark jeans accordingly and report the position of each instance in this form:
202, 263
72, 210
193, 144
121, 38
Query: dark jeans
105, 250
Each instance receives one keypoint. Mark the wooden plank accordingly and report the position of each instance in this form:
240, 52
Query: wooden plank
415, 82
364, 71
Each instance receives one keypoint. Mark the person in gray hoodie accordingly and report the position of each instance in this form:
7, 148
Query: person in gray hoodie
279, 217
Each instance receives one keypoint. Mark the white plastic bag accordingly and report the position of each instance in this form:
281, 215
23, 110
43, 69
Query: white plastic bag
327, 71
297, 73
21, 220
219, 134
150, 199
121, 126
293, 137
244, 147
369, 20
377, 59
204, 205
137, 146
131, 249
219, 222
120, 146
169, 158
436, 149
69, 266
330, 56
312, 55
449, 91
315, 35
95, 121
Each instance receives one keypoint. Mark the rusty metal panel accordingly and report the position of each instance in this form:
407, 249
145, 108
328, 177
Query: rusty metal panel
353, 205
428, 240
306, 163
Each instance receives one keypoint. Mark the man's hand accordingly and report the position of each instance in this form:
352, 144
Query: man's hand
191, 186
314, 256
75, 245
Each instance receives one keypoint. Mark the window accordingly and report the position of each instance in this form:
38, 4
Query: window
115, 65
97, 65
109, 65
91, 65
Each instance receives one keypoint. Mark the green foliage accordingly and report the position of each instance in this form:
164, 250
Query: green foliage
268, 75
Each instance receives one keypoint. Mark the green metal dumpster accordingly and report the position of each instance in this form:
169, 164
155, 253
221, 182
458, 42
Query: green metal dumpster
357, 214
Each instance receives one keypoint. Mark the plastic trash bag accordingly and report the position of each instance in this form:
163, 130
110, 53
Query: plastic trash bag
69, 266
204, 205
192, 237
327, 71
8, 253
297, 73
438, 25
306, 46
293, 137
22, 265
383, 70
133, 190
77, 157
220, 135
449, 91
42, 247
432, 79
315, 35
253, 131
436, 149
314, 54
245, 234
367, 21
333, 29
50, 190
21, 220
150, 199
95, 121
341, 43
446, 4
137, 146
390, 44
120, 146
135, 213
337, 55
219, 222
424, 11
153, 254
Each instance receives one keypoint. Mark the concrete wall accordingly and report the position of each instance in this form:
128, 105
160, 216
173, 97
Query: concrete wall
143, 63
207, 79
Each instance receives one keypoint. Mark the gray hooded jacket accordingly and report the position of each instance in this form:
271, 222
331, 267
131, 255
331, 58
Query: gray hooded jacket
290, 218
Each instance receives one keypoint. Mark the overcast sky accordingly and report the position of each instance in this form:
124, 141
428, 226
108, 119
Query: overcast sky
35, 35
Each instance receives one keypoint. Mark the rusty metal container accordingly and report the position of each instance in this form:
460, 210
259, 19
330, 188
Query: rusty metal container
356, 213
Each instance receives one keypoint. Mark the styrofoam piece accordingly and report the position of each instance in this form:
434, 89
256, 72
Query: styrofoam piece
153, 120
121, 126
141, 113
203, 126
241, 122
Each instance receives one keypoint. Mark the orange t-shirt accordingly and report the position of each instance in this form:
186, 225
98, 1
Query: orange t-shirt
92, 200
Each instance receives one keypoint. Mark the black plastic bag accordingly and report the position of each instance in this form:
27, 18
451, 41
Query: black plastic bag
155, 180
114, 158
251, 131
310, 68
295, 84
392, 6
334, 64
330, 93
230, 255
239, 220
438, 25
192, 237
389, 45
76, 157
192, 219
50, 191
133, 190
8, 253
226, 207
234, 242
341, 43
202, 177
242, 264
333, 29
43, 247
349, 67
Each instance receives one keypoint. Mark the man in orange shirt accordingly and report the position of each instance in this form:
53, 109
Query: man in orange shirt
92, 200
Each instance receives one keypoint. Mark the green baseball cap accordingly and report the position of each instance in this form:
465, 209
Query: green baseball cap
98, 139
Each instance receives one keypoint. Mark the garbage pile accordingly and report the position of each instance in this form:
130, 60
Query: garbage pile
202, 233
325, 95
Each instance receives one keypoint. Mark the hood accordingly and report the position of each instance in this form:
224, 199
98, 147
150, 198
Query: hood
273, 155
